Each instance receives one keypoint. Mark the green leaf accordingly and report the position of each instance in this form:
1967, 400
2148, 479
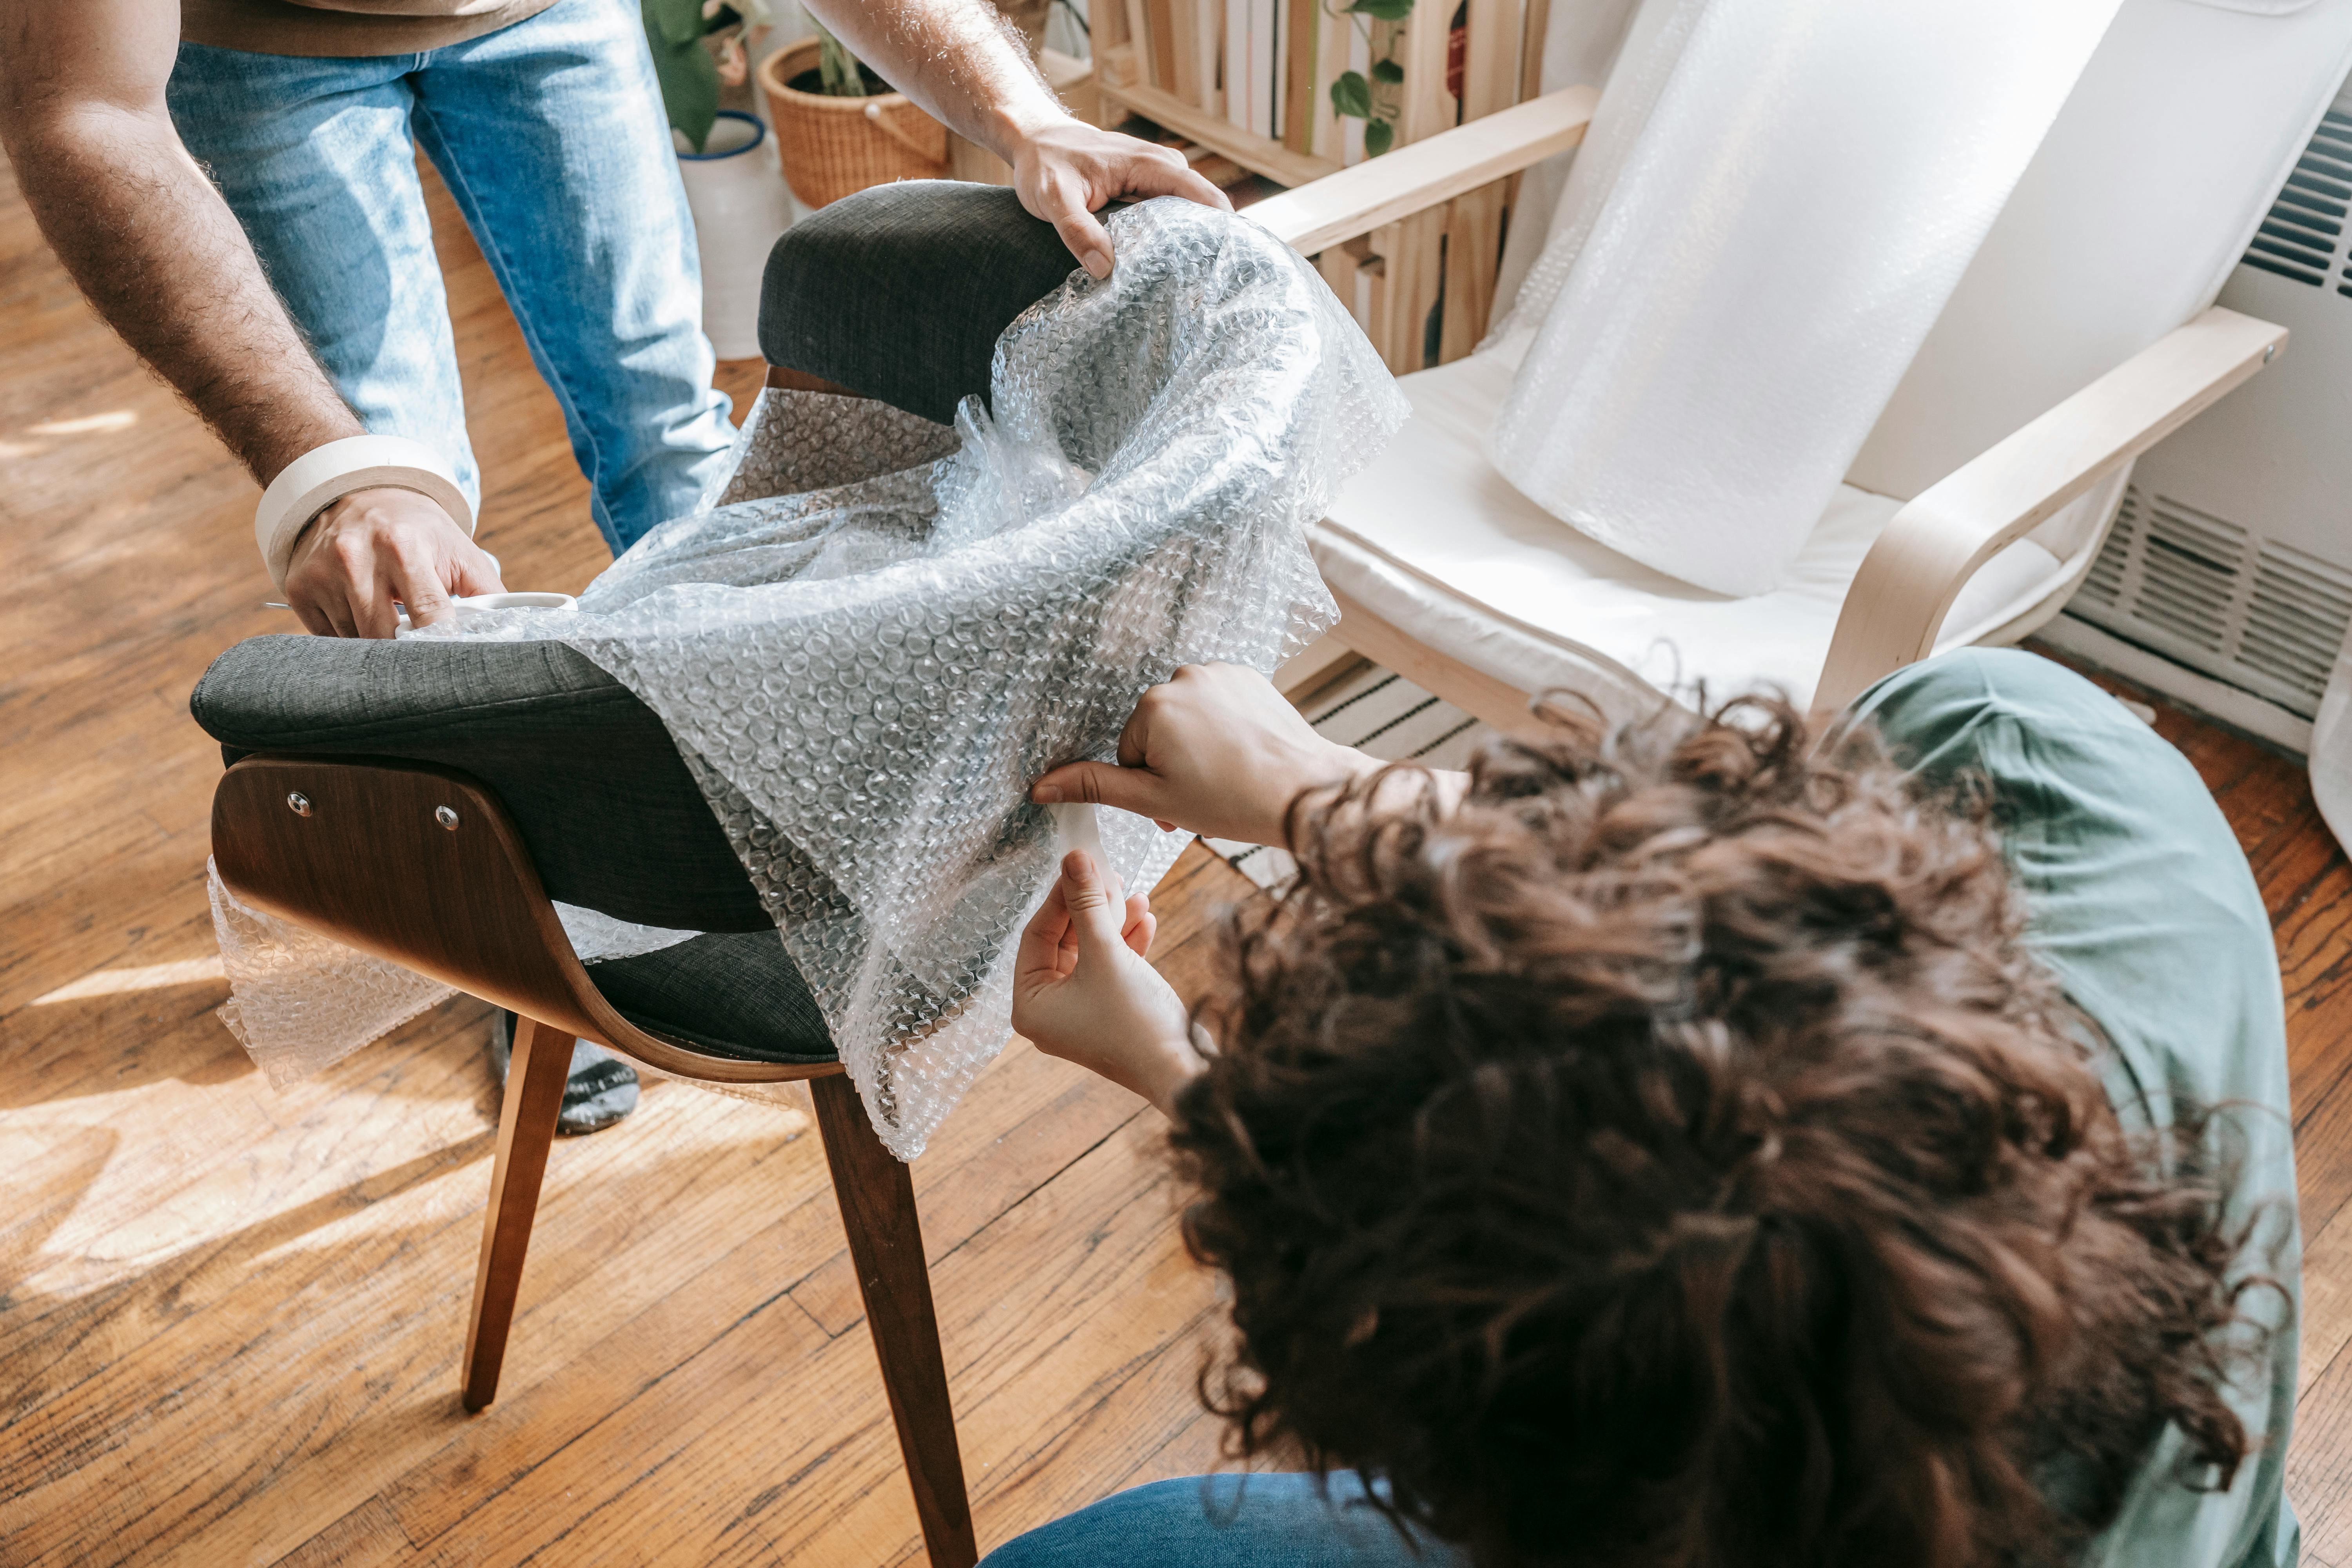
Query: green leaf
1387, 70
1379, 137
1351, 95
1383, 10
836, 67
689, 88
672, 22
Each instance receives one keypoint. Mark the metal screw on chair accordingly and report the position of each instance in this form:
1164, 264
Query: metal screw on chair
446, 815
298, 803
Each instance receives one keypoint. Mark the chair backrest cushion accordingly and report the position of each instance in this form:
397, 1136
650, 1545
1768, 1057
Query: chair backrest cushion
2142, 197
900, 292
606, 807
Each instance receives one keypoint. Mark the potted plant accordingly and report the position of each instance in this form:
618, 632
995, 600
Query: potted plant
697, 44
840, 127
734, 190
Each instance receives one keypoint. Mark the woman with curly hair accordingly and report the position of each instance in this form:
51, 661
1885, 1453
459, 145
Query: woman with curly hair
1713, 1143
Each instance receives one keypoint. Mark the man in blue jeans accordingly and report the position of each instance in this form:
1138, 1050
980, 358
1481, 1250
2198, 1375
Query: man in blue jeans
1699, 1145
233, 185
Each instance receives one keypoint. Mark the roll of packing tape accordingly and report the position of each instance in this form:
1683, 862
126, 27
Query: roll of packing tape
324, 475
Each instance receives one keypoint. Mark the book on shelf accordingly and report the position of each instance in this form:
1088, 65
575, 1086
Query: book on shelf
1333, 30
1138, 38
1351, 130
1166, 61
1183, 55
1237, 62
1303, 33
1261, 66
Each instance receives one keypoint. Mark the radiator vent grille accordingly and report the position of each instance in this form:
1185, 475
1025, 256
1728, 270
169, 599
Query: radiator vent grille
2200, 589
2302, 236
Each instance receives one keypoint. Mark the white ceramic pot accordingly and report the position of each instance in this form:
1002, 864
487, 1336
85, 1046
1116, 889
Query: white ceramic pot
739, 203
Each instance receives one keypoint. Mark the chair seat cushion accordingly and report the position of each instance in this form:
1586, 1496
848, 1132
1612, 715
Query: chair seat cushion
1433, 540
736, 995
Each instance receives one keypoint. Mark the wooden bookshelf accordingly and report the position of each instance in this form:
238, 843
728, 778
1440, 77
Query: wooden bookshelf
1394, 279
1259, 155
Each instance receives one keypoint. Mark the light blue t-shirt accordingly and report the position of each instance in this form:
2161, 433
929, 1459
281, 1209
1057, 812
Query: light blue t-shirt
2139, 900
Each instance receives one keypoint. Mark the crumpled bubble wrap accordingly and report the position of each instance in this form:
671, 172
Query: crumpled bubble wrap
885, 630
300, 1002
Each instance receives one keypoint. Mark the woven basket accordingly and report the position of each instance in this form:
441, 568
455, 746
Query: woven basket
833, 146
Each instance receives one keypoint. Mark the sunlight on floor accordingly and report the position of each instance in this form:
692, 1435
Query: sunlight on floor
87, 425
146, 977
276, 1198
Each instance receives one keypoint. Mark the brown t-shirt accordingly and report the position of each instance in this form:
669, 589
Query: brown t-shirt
346, 29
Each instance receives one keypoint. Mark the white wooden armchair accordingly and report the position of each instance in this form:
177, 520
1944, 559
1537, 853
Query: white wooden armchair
2082, 335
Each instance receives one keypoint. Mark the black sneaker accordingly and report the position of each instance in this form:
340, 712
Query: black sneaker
601, 1089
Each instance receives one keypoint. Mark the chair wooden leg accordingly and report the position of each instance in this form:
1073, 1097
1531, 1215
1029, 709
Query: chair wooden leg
885, 1243
535, 1079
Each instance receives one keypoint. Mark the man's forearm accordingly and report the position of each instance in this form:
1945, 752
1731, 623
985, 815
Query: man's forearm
957, 58
161, 257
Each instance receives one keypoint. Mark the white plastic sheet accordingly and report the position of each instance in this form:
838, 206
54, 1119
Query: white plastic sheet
868, 649
2331, 749
1774, 201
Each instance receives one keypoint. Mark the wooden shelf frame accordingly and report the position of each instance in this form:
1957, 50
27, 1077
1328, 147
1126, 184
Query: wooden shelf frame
1259, 155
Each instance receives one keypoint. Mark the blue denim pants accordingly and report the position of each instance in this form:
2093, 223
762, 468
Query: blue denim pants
1228, 1521
551, 137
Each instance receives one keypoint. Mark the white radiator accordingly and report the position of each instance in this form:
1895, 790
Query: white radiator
2227, 580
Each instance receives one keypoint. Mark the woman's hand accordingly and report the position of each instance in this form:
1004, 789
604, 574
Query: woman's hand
1082, 989
1215, 749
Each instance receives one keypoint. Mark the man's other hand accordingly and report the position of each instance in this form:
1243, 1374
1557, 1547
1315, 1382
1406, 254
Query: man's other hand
1065, 171
376, 547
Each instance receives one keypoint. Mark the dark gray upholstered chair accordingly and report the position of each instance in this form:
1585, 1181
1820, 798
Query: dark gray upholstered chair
563, 785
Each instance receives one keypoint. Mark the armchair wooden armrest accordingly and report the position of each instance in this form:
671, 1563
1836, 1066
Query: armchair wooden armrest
1424, 173
1896, 607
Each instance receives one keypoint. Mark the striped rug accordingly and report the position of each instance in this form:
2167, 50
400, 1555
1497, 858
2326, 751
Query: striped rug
1377, 711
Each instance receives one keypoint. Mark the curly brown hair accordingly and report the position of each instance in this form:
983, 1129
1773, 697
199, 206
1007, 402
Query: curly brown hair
1672, 1155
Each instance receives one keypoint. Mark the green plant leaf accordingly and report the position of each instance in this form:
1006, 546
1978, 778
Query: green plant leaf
1387, 70
689, 88
836, 67
672, 22
1383, 10
1351, 95
1379, 137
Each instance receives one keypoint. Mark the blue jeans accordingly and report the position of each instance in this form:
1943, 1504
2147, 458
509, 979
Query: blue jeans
1227, 1521
551, 137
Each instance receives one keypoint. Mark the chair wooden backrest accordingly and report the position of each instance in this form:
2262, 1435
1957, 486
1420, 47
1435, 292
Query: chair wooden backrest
423, 865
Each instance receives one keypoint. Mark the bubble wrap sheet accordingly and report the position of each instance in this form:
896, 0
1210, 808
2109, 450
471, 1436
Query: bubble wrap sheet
300, 1002
883, 630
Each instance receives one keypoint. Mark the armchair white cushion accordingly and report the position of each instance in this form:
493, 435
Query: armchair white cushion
1433, 540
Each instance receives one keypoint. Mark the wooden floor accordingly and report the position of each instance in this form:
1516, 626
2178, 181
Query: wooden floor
230, 1319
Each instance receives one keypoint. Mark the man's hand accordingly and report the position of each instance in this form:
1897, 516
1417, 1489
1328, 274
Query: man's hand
1082, 990
1065, 171
1215, 749
372, 547
967, 69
